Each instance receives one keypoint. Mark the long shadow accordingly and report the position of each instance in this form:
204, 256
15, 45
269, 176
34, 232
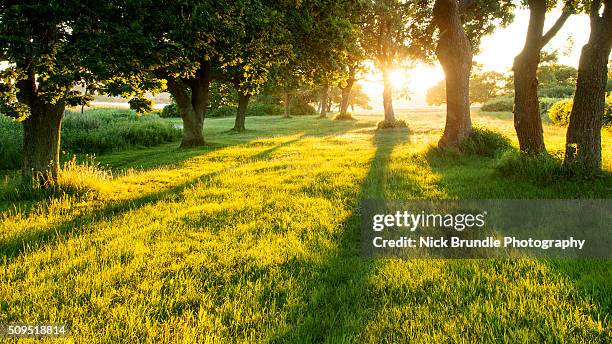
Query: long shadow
339, 292
12, 247
591, 277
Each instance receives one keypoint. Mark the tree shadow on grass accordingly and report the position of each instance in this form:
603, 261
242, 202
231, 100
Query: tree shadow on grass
338, 293
474, 177
13, 246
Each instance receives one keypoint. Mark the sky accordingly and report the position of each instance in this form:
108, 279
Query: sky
497, 52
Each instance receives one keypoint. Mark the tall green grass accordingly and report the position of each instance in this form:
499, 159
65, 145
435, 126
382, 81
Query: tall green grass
95, 131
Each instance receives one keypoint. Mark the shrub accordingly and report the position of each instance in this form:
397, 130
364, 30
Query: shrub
557, 91
346, 117
485, 142
398, 123
170, 111
498, 104
546, 104
300, 108
264, 109
222, 111
560, 111
11, 141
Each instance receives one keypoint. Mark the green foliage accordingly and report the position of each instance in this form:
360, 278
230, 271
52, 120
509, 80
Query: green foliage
95, 131
485, 142
556, 90
499, 104
141, 105
560, 111
300, 108
222, 111
170, 111
11, 143
264, 109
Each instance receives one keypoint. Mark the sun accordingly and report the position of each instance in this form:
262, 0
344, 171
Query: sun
398, 78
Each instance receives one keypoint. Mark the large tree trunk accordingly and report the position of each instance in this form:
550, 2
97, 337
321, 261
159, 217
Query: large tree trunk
287, 104
527, 121
324, 96
41, 143
388, 96
243, 102
583, 145
191, 109
455, 55
346, 94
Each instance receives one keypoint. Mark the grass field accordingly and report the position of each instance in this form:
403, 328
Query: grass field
255, 238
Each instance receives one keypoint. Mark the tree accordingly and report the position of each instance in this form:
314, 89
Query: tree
583, 142
258, 44
461, 24
177, 43
47, 54
394, 30
527, 121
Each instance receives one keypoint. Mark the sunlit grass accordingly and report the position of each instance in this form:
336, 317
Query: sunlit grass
255, 237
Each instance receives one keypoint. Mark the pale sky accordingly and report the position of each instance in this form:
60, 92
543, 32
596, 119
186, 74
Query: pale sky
497, 53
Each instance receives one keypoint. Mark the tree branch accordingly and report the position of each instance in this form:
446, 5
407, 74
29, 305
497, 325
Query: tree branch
567, 12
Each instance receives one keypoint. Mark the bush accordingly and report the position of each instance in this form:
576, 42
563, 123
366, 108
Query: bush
398, 123
11, 141
546, 104
498, 104
557, 91
170, 111
300, 108
485, 142
264, 109
222, 111
560, 111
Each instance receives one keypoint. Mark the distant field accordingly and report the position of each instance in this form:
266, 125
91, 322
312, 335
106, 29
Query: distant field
255, 237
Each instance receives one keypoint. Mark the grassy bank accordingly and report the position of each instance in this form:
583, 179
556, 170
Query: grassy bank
255, 237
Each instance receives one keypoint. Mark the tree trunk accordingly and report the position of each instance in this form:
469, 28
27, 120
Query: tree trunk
192, 108
455, 55
527, 121
346, 95
324, 96
243, 102
388, 96
41, 143
583, 145
287, 104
